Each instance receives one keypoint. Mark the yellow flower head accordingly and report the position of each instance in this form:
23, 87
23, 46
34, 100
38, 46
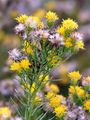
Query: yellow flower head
75, 75
5, 113
60, 111
25, 64
22, 18
77, 90
51, 16
69, 24
68, 42
55, 101
54, 88
50, 95
79, 45
15, 66
61, 30
87, 105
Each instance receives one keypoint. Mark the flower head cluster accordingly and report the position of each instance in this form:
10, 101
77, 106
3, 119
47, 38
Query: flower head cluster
55, 101
18, 66
44, 46
77, 90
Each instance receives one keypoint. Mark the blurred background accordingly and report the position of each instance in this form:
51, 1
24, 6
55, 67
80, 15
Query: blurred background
79, 10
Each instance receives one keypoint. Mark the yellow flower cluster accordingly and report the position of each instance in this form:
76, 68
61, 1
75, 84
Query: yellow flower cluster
22, 18
50, 95
55, 101
79, 91
5, 113
52, 88
18, 66
68, 42
30, 21
69, 24
75, 75
61, 30
60, 111
66, 28
79, 45
87, 105
51, 16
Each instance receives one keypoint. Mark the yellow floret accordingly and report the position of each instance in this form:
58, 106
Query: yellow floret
87, 105
54, 88
25, 64
5, 113
22, 18
77, 90
51, 16
60, 111
69, 24
68, 42
55, 101
61, 30
75, 75
79, 45
50, 95
15, 66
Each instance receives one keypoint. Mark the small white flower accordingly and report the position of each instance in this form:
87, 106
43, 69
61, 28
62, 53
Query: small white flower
19, 28
77, 36
56, 39
14, 54
31, 23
